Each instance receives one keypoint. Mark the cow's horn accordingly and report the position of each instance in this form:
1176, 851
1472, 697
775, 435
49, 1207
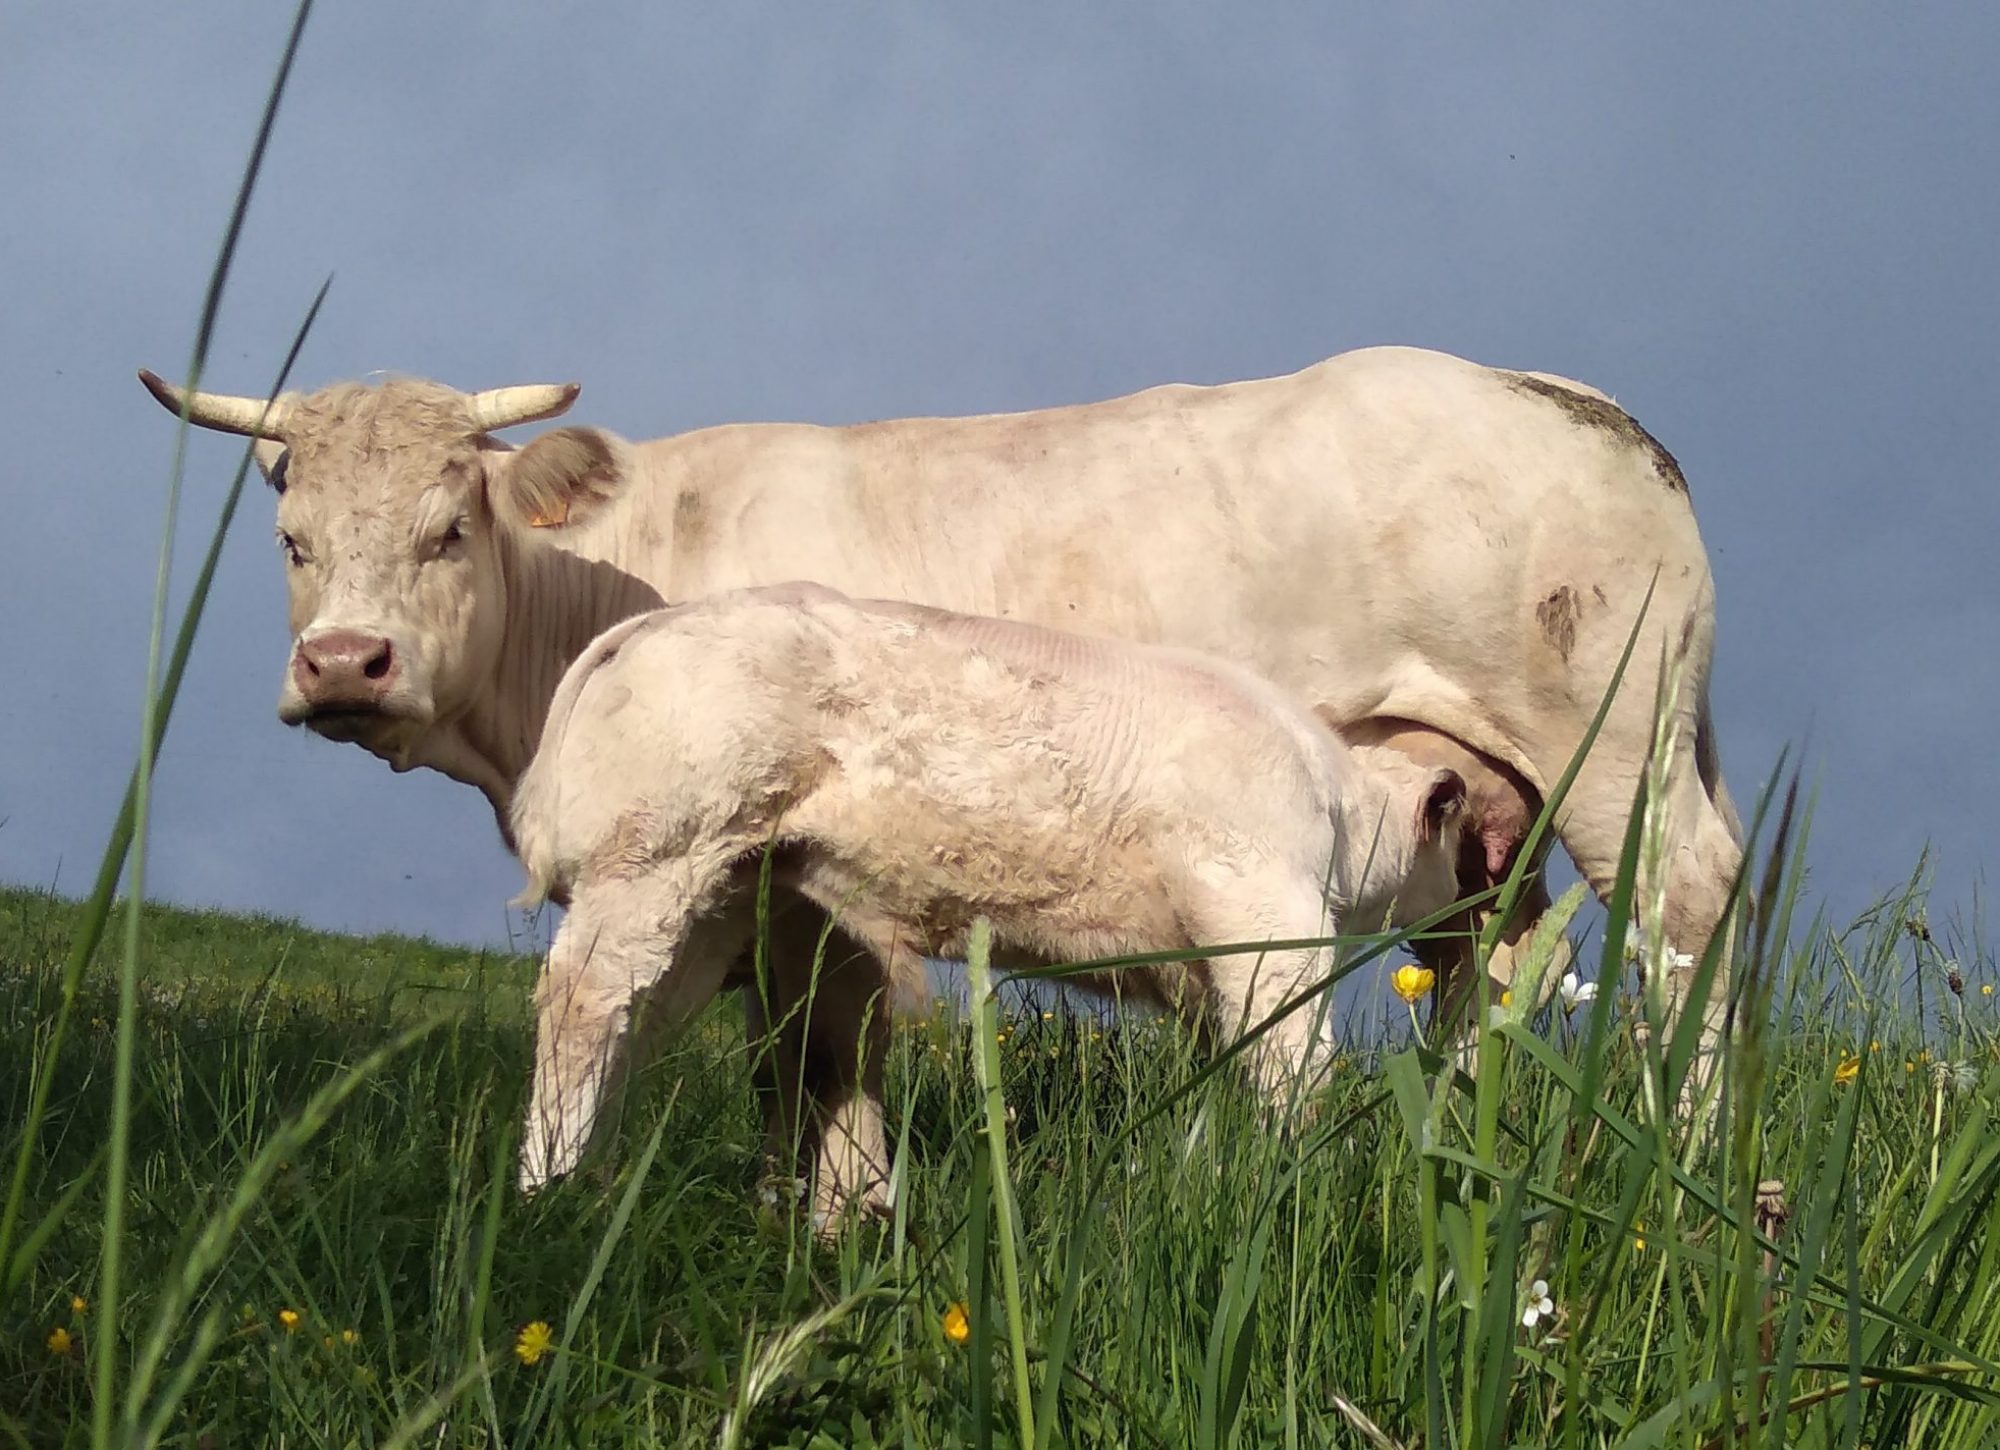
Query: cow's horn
220, 411
530, 403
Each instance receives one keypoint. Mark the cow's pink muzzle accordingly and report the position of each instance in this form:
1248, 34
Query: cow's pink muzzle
343, 670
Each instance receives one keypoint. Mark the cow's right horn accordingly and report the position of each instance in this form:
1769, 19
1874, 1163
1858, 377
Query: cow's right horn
529, 403
221, 411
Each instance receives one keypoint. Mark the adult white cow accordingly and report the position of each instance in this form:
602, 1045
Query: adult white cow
1393, 535
910, 769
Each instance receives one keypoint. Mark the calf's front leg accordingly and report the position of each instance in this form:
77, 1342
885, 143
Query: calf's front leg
1246, 990
623, 939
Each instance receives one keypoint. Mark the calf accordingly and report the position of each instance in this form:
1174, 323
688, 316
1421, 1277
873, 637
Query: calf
911, 770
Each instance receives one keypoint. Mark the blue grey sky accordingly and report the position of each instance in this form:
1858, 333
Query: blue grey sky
1768, 231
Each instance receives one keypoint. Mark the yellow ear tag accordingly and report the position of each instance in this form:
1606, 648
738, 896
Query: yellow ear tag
546, 521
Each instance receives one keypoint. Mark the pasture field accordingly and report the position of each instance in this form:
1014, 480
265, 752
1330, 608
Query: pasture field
1115, 1247
259, 1190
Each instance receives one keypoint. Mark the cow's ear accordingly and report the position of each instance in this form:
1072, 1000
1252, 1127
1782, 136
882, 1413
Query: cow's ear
1440, 805
559, 480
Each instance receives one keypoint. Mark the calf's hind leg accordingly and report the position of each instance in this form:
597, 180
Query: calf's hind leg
623, 938
819, 1036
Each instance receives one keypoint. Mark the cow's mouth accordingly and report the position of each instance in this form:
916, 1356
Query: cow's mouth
351, 723
343, 717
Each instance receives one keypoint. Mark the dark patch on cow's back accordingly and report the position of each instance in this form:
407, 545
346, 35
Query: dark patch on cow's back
1557, 616
690, 519
1588, 411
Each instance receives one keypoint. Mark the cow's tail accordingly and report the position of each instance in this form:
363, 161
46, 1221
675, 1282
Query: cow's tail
536, 815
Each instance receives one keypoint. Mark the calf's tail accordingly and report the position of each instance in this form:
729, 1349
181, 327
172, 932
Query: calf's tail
536, 812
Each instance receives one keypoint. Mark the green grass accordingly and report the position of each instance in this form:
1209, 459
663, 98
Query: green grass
1218, 1280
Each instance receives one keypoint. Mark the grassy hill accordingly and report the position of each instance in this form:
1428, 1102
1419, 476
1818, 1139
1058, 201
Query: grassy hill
1194, 1274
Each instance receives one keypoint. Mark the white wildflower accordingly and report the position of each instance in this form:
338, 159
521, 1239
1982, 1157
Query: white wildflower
1576, 992
1540, 1305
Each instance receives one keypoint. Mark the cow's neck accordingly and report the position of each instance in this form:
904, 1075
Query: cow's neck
557, 602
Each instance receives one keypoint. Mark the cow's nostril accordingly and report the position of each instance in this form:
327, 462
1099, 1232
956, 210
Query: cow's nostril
378, 664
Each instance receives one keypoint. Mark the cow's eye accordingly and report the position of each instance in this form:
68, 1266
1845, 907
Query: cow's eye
294, 555
450, 539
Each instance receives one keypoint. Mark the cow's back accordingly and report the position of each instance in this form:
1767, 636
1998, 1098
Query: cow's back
1391, 531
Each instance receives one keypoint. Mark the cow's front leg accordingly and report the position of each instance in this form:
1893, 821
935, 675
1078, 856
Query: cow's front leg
622, 940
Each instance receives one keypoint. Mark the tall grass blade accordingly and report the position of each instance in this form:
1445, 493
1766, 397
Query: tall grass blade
110, 1262
97, 910
979, 1279
986, 1063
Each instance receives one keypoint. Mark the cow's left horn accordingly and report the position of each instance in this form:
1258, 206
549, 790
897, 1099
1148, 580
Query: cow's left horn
221, 411
530, 403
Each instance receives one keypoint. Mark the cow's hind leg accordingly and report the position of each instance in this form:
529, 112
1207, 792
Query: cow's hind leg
1697, 867
622, 939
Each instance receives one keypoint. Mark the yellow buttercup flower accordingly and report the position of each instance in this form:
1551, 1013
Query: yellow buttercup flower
1412, 982
59, 1341
77, 1303
290, 1319
349, 1337
533, 1342
957, 1326
1985, 989
1849, 1069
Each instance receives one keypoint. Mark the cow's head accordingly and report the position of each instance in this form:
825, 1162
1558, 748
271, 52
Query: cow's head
394, 506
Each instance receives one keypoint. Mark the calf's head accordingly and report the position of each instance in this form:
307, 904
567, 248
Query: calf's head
394, 510
1403, 827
